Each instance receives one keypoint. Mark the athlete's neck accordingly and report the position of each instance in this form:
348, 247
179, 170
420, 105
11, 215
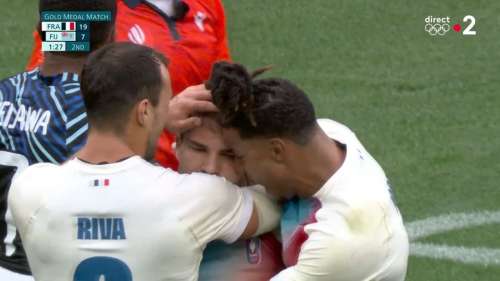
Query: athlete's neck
57, 64
323, 157
104, 147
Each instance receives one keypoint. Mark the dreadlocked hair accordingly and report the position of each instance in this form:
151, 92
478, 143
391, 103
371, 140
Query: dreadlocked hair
270, 107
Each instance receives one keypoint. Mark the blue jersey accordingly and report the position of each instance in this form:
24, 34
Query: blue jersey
42, 119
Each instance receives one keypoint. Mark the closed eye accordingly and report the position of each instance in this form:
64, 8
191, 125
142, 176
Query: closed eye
196, 146
229, 154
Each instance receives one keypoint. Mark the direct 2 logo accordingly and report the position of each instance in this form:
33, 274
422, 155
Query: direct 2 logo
441, 25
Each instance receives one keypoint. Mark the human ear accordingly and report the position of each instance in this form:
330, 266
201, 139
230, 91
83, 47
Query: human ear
277, 149
143, 113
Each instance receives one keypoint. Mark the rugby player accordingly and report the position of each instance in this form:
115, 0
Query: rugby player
108, 214
202, 149
350, 229
42, 119
191, 33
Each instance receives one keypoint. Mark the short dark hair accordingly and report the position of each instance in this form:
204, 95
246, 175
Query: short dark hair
116, 77
271, 107
99, 31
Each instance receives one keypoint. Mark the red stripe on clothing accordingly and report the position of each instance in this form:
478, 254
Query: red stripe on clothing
291, 250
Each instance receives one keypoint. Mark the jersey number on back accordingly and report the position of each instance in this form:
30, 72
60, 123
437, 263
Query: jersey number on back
102, 269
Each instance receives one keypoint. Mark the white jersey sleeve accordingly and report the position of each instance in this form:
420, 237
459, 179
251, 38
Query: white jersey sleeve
222, 209
268, 210
348, 246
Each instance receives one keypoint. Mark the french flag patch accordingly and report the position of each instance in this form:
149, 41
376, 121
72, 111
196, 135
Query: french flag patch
69, 26
100, 183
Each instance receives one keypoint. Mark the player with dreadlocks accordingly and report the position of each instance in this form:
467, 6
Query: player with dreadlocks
345, 226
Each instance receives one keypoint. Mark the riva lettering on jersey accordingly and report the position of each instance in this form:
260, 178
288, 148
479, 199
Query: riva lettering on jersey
101, 229
24, 118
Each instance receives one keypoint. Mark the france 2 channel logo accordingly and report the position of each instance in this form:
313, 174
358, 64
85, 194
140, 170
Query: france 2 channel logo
439, 26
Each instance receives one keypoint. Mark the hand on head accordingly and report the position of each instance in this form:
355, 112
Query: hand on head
184, 108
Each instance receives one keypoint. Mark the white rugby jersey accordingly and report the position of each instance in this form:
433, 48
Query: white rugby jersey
351, 229
124, 221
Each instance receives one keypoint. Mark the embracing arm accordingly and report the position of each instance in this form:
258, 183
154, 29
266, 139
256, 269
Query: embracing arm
266, 213
224, 211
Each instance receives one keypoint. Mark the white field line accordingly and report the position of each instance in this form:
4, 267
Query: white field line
440, 224
482, 256
445, 223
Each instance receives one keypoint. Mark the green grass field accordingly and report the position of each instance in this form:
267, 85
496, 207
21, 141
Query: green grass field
427, 108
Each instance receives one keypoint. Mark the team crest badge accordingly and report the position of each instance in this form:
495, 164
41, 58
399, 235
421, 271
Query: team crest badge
254, 251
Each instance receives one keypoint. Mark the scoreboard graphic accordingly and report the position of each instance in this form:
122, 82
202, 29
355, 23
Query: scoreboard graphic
69, 31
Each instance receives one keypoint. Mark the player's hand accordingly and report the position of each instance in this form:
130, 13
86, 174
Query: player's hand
184, 107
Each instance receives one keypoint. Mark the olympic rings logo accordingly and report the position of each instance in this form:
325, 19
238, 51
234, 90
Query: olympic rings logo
437, 29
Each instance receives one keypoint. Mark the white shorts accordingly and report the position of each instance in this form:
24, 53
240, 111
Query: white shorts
7, 275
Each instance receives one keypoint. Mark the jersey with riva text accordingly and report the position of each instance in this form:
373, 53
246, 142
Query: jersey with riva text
124, 221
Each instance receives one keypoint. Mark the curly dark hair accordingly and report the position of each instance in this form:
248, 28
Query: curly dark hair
270, 107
